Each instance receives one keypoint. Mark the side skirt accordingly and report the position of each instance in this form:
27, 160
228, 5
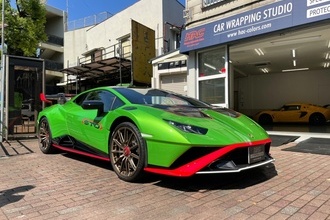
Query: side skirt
75, 151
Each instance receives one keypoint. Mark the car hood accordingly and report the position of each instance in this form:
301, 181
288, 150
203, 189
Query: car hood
223, 126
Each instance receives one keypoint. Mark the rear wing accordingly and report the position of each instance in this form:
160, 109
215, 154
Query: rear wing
59, 98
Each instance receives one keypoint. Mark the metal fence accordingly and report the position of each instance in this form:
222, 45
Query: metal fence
88, 21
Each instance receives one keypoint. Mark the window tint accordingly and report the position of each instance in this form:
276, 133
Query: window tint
158, 97
291, 107
109, 100
79, 100
117, 103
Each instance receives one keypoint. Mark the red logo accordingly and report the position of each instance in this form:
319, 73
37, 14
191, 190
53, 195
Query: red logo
193, 37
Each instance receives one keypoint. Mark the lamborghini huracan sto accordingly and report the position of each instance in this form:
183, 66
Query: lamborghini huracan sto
155, 131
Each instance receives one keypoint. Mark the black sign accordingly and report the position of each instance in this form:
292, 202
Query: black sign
208, 3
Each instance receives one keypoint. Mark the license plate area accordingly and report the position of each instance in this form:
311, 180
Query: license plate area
256, 154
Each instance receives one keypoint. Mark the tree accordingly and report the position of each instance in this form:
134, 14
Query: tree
25, 27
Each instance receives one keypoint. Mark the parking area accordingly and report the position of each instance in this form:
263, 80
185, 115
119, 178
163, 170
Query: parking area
66, 186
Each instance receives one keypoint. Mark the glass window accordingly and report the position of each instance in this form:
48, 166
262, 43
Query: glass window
212, 76
158, 97
211, 63
79, 99
212, 91
109, 100
291, 107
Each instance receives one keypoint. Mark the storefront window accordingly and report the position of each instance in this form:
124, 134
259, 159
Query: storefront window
211, 63
212, 76
212, 91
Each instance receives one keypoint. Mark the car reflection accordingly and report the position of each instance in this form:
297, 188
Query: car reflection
298, 128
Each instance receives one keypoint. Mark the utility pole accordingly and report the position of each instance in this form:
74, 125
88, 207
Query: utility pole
2, 70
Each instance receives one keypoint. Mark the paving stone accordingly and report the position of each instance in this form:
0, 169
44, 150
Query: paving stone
64, 186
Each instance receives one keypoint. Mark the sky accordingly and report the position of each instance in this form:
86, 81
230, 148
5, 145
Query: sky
83, 8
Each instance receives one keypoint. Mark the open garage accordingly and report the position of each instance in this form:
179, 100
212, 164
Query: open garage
290, 66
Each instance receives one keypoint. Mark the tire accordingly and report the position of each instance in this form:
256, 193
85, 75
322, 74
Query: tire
317, 119
45, 137
127, 152
265, 119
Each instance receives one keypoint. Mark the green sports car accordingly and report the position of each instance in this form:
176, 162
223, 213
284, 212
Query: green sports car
152, 130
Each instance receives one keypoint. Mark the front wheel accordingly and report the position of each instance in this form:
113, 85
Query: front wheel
127, 152
45, 137
265, 119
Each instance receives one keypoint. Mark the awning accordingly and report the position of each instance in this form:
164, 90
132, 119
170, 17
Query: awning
99, 68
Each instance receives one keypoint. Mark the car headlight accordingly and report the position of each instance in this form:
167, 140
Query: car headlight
188, 128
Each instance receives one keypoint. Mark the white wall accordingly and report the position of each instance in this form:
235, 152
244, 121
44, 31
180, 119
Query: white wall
271, 91
147, 12
217, 11
55, 22
74, 46
192, 75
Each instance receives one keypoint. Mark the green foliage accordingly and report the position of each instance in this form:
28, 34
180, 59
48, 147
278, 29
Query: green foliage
25, 27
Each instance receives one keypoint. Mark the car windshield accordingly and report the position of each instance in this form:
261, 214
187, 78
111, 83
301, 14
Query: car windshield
159, 97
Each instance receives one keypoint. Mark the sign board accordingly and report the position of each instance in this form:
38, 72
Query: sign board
266, 19
143, 49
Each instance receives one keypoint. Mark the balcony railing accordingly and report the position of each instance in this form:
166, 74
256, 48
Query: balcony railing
55, 40
116, 50
53, 65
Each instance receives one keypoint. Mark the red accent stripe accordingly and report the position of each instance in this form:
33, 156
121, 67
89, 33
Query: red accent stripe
194, 166
81, 152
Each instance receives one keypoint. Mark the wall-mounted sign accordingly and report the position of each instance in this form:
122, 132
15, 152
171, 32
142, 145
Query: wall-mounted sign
143, 49
266, 19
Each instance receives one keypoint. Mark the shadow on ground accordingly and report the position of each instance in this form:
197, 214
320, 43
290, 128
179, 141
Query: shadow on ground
199, 182
13, 195
220, 181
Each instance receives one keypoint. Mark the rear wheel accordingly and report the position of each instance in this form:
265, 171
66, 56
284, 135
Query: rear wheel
265, 119
317, 119
45, 137
127, 152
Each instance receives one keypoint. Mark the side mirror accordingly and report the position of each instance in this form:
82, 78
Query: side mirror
92, 105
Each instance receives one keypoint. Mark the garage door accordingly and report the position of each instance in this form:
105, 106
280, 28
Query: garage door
175, 83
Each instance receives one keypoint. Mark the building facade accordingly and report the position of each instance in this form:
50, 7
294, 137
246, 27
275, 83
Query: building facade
251, 55
170, 72
52, 51
118, 49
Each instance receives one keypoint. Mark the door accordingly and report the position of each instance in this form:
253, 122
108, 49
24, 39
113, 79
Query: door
175, 83
25, 77
212, 79
88, 125
288, 113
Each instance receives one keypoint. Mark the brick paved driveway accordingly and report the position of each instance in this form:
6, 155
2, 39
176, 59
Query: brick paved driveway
62, 186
